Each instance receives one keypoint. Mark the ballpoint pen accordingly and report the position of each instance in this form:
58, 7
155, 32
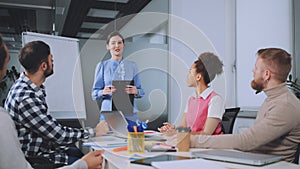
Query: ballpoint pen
124, 148
117, 144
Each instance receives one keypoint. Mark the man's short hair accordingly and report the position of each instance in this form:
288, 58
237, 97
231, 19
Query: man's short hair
33, 54
278, 62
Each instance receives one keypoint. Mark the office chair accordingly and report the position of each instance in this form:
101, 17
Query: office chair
229, 119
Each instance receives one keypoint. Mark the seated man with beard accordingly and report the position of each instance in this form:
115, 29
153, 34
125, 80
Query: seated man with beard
38, 132
276, 129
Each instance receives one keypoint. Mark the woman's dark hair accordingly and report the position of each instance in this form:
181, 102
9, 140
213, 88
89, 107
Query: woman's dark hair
33, 54
112, 35
209, 65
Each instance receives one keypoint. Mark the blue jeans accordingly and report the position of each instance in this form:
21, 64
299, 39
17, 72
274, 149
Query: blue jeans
74, 154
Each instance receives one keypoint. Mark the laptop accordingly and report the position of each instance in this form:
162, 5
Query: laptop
235, 156
121, 101
117, 123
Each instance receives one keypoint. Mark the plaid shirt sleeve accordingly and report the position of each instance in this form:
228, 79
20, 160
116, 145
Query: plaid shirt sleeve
36, 117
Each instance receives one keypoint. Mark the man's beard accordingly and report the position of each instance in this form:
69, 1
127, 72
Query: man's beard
256, 86
48, 72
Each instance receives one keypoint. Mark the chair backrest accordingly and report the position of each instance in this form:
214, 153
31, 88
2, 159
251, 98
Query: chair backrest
229, 119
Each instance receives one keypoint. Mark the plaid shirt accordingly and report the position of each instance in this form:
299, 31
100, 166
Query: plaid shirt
39, 133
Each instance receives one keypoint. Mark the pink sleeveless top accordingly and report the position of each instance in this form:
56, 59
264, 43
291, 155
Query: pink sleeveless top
197, 112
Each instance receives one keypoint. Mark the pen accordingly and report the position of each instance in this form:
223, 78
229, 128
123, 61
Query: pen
116, 144
124, 148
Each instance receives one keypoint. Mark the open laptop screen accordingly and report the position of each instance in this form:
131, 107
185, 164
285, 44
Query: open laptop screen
117, 122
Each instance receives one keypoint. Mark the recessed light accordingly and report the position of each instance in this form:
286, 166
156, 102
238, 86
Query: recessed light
102, 13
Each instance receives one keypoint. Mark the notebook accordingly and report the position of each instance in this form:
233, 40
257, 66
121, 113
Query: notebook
237, 157
121, 101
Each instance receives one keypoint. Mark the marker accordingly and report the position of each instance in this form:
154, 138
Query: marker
120, 149
135, 129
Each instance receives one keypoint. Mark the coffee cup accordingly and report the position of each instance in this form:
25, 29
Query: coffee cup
183, 139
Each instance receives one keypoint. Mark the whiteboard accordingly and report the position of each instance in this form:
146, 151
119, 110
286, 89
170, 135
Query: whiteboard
64, 89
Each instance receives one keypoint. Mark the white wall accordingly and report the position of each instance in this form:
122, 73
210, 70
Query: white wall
232, 29
197, 27
260, 24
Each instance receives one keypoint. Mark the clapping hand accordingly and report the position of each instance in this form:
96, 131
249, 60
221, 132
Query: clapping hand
168, 129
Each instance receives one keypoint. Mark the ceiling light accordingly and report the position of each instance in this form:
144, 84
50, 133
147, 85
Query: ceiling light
92, 25
102, 13
8, 39
87, 35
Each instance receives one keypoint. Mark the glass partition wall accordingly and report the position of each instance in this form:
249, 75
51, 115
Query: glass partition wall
143, 23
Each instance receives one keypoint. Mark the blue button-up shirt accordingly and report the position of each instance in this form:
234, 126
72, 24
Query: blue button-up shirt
110, 70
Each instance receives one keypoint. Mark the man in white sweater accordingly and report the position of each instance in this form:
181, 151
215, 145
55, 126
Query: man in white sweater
277, 126
11, 155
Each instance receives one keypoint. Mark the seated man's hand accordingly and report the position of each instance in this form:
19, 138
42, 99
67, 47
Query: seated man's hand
168, 129
94, 159
101, 128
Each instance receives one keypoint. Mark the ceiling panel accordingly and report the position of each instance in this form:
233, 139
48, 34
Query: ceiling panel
71, 18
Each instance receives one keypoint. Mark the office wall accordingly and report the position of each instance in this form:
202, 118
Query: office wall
233, 29
260, 24
196, 27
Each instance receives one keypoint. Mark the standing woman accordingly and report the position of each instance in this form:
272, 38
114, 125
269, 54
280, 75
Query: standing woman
115, 68
205, 108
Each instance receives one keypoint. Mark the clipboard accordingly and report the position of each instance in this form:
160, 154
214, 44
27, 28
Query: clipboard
121, 101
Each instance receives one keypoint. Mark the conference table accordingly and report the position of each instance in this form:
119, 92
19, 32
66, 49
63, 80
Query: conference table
121, 159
